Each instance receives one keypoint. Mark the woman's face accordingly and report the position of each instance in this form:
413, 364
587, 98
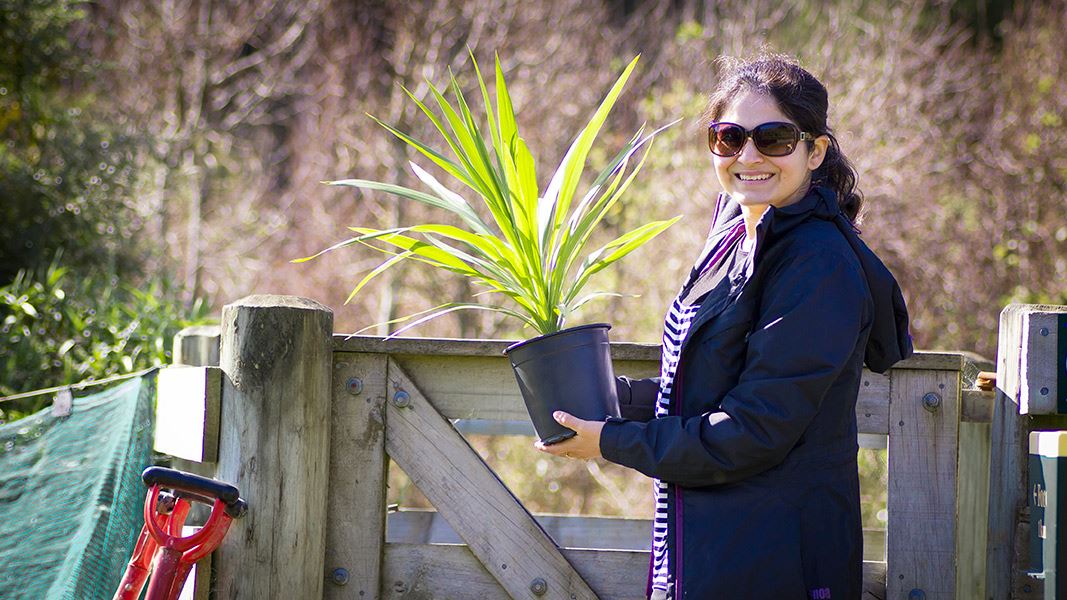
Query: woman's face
757, 181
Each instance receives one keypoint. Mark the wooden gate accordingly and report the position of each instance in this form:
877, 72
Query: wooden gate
399, 399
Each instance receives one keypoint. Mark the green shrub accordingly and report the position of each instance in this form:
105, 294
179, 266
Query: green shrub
66, 173
58, 328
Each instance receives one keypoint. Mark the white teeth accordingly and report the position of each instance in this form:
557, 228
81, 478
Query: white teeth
754, 177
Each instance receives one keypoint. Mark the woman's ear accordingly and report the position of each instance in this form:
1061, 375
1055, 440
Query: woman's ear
819, 146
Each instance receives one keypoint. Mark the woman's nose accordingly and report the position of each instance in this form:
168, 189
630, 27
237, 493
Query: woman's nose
749, 153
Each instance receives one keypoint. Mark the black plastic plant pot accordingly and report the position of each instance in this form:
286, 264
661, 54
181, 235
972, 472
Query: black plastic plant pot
569, 370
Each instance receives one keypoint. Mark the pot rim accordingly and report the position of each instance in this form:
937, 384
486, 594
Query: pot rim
548, 335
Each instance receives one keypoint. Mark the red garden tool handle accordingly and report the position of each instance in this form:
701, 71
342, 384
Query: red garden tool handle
161, 548
200, 487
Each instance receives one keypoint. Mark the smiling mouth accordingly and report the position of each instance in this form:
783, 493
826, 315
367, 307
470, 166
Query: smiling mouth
763, 177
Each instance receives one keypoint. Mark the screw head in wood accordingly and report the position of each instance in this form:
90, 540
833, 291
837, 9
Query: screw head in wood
916, 594
339, 576
932, 401
539, 586
1044, 331
354, 385
401, 399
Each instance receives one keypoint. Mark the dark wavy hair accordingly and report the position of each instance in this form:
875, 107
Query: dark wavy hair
804, 100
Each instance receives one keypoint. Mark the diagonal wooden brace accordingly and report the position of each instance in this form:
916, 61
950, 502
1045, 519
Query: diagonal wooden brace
507, 540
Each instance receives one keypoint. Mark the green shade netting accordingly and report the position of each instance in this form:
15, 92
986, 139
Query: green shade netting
71, 497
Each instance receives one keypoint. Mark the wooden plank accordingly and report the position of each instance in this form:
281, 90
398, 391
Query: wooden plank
635, 351
469, 347
922, 484
1039, 369
430, 572
276, 445
1007, 542
447, 379
568, 531
973, 514
198, 582
872, 405
356, 501
976, 406
498, 529
417, 526
187, 412
198, 346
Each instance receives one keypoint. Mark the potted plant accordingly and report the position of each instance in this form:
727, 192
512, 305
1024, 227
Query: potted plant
532, 248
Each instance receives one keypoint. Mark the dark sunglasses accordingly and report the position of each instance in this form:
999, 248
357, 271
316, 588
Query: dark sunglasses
771, 139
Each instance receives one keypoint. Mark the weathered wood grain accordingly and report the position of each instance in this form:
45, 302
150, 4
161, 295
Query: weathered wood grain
1007, 549
976, 406
198, 346
415, 526
1038, 391
447, 379
439, 572
922, 484
501, 533
275, 445
567, 531
635, 351
872, 405
973, 515
356, 505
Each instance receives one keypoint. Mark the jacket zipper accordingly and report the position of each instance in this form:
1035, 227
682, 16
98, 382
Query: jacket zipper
678, 590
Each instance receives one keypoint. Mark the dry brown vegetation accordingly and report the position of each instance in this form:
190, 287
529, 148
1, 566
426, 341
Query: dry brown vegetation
249, 106
958, 137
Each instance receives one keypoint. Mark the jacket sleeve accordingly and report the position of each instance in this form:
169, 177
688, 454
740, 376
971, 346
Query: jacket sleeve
637, 397
813, 309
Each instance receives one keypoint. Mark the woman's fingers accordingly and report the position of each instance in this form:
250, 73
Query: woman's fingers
585, 445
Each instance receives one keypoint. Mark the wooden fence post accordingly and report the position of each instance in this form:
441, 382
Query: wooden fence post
275, 438
924, 413
197, 346
1029, 390
356, 513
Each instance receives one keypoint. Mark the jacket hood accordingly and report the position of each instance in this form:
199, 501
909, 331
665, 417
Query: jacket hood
890, 340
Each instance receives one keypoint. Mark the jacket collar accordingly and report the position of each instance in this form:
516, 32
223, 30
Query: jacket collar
890, 338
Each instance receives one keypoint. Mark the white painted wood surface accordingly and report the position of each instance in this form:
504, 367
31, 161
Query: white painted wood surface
922, 497
1037, 390
356, 506
199, 346
1009, 521
187, 412
502, 534
275, 444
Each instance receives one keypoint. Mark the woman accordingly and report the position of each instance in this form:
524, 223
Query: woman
750, 430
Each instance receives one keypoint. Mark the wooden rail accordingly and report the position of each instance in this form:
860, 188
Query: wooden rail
399, 398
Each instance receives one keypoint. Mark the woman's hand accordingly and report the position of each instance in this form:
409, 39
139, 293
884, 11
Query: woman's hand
585, 445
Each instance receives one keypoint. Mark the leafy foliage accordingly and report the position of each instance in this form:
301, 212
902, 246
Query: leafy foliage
533, 242
64, 173
57, 328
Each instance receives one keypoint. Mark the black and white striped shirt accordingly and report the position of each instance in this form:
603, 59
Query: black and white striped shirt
722, 261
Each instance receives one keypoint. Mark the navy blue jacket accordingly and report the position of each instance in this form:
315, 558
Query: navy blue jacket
760, 444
